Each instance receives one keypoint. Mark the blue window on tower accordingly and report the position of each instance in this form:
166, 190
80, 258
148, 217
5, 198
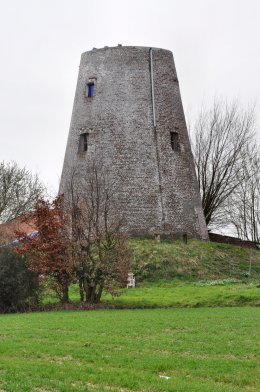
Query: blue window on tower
90, 89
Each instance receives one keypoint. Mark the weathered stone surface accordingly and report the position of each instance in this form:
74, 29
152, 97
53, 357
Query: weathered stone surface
157, 187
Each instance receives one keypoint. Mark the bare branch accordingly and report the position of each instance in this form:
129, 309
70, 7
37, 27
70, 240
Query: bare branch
19, 191
101, 253
222, 136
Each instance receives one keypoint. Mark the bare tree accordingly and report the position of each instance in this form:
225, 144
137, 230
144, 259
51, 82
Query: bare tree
101, 253
222, 138
243, 207
19, 190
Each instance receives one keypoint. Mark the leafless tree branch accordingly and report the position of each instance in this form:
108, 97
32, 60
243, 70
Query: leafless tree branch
19, 190
101, 253
222, 137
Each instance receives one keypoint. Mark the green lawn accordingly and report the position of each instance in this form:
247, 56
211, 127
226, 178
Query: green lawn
187, 294
204, 341
204, 349
177, 294
180, 294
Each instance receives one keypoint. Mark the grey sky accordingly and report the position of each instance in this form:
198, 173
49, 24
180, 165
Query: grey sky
216, 47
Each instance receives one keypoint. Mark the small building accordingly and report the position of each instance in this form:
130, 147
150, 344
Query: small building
9, 229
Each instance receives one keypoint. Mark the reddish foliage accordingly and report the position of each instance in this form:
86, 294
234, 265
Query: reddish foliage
49, 251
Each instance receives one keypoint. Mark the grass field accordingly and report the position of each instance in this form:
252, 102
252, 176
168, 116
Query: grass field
206, 340
187, 294
176, 293
131, 350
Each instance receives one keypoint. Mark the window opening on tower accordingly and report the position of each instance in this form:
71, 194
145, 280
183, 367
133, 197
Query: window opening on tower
90, 89
83, 142
175, 143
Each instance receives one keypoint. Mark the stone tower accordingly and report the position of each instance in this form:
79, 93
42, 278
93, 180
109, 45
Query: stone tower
128, 109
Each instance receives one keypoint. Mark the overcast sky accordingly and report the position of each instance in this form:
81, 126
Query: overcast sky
216, 47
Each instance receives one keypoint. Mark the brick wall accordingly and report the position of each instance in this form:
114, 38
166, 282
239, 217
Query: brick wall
157, 188
225, 239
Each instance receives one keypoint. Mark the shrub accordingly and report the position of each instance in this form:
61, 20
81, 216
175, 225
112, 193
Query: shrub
18, 286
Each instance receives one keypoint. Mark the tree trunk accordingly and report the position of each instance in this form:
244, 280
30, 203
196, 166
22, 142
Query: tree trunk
65, 295
81, 290
99, 293
93, 295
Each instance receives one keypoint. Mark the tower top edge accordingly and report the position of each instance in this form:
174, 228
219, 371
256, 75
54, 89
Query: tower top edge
119, 46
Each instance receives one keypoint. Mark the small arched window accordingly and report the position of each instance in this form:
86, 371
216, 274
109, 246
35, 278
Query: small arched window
175, 143
90, 87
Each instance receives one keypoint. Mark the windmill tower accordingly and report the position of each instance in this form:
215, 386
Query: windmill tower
128, 110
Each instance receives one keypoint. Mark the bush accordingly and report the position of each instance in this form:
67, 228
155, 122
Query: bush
18, 286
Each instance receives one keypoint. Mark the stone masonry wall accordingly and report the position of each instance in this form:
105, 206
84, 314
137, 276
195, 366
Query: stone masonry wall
157, 188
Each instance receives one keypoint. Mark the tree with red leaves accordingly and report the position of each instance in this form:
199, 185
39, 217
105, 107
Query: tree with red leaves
49, 251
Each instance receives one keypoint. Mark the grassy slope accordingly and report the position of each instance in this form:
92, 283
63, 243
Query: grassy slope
168, 275
199, 349
197, 260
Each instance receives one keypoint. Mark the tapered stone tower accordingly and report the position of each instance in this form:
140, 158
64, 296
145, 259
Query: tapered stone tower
128, 110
